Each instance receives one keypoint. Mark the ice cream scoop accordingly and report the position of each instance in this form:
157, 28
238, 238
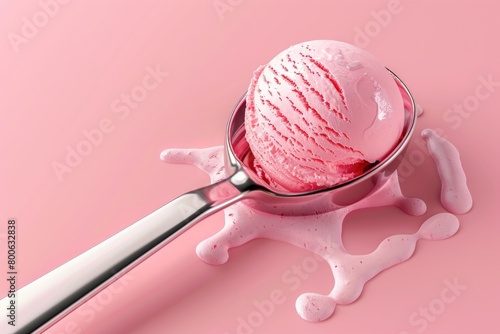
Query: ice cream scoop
320, 113
47, 299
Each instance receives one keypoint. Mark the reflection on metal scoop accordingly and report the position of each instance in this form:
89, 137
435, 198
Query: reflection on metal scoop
51, 297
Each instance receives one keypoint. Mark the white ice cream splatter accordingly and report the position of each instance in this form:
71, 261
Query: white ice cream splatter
321, 233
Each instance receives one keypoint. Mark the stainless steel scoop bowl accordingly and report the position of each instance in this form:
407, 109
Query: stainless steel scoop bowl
49, 298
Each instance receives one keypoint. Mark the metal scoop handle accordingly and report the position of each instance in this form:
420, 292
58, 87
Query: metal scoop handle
49, 298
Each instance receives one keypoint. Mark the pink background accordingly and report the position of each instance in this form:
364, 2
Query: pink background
65, 76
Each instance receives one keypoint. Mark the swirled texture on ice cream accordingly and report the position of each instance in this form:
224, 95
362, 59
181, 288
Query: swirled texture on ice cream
320, 113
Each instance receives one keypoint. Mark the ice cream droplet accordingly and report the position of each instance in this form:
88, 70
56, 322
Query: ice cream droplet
321, 234
455, 196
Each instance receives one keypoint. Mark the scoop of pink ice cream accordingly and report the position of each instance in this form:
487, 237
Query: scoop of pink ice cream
320, 113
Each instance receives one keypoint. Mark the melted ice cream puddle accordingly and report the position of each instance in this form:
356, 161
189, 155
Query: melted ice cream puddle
322, 233
455, 195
